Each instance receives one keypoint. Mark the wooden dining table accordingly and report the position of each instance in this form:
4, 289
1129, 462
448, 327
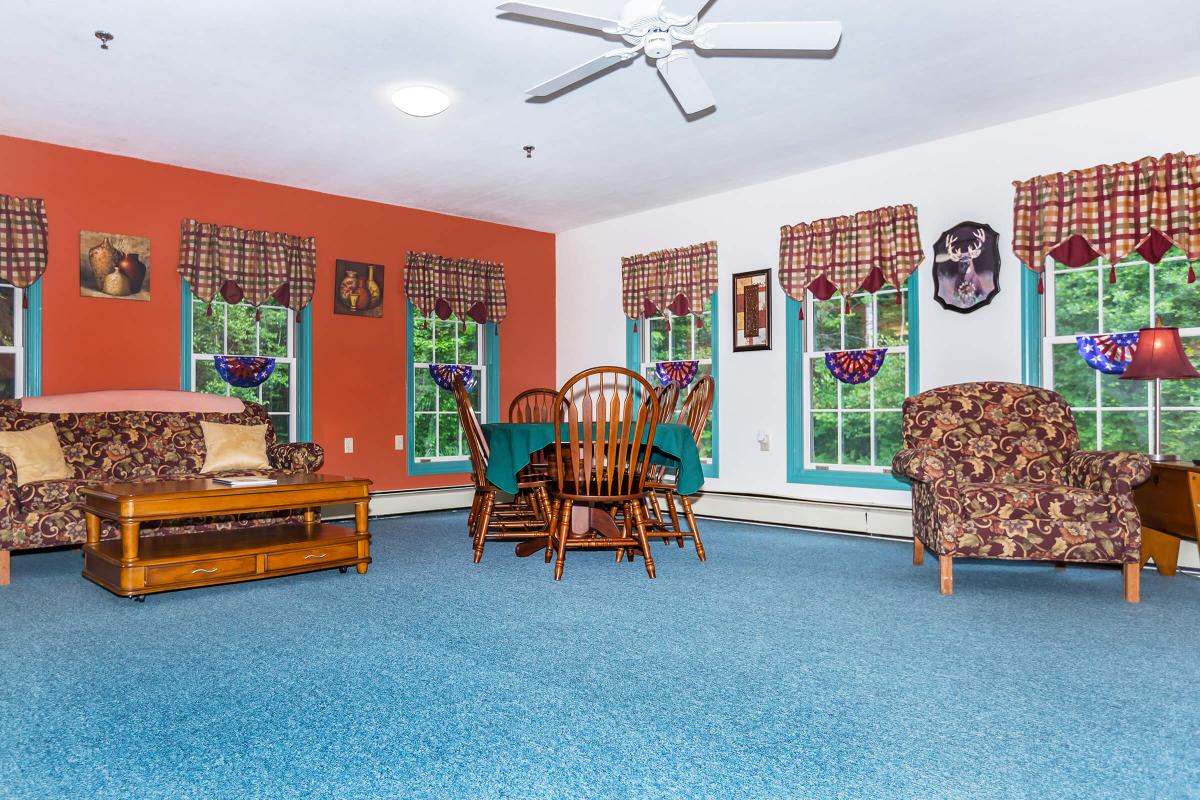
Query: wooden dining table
512, 445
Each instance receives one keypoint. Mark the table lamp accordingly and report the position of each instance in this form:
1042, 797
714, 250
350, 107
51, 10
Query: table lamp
1159, 356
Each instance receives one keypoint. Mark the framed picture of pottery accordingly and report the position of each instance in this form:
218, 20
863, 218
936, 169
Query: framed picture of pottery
966, 267
752, 311
114, 265
358, 289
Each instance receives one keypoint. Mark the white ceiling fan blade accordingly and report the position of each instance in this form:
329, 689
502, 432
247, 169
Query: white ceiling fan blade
558, 15
681, 12
686, 83
769, 36
586, 70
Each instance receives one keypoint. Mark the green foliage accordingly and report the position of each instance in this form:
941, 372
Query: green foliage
436, 432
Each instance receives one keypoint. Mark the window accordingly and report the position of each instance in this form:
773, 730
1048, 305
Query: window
12, 350
855, 427
436, 442
234, 330
1113, 414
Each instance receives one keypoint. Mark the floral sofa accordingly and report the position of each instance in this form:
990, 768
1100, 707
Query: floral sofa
997, 472
120, 446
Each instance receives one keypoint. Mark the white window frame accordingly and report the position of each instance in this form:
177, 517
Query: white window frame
18, 346
649, 363
290, 359
813, 357
1051, 338
481, 381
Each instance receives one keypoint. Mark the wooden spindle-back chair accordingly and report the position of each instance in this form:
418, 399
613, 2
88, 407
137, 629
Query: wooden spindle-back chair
697, 408
489, 520
668, 398
533, 405
601, 455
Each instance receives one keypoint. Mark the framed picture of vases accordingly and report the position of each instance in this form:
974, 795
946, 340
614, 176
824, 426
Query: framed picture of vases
752, 311
358, 289
114, 266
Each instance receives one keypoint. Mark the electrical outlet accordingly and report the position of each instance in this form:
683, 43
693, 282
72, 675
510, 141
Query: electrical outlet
399, 441
348, 445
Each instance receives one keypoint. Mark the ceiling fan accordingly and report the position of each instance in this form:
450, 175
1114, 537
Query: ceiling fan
650, 28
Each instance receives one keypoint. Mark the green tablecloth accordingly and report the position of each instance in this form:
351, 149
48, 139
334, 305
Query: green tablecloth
511, 445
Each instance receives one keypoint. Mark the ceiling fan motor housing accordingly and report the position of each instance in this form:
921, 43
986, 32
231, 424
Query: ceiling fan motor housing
658, 43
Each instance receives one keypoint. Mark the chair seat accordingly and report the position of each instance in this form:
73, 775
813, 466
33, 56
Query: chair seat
1030, 501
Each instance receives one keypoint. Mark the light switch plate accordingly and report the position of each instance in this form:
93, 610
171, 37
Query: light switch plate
348, 445
399, 441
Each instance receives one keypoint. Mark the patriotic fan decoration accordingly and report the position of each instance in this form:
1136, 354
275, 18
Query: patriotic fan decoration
244, 372
680, 373
443, 375
855, 366
1109, 353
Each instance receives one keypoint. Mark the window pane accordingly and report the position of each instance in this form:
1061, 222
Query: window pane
448, 434
856, 323
8, 375
424, 438
1126, 430
468, 343
250, 395
1073, 378
281, 423
446, 401
208, 334
1075, 300
241, 330
1174, 297
1186, 393
825, 438
443, 342
856, 396
1085, 421
660, 348
207, 379
827, 325
8, 310
856, 439
890, 384
1181, 433
276, 392
1116, 392
888, 439
273, 333
824, 385
704, 335
1127, 302
892, 330
425, 390
422, 339
681, 337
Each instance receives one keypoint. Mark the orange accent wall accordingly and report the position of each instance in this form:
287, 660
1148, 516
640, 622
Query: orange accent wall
358, 363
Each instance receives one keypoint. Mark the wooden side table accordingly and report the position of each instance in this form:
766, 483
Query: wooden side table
1169, 505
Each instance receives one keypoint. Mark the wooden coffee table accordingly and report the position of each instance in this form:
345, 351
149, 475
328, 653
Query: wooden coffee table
133, 566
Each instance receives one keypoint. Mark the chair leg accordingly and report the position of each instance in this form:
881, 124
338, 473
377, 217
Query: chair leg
1133, 583
564, 526
673, 512
473, 515
481, 524
691, 519
640, 522
552, 529
946, 574
918, 551
5, 567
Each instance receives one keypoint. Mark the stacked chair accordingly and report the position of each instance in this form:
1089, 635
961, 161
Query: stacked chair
602, 456
660, 486
490, 520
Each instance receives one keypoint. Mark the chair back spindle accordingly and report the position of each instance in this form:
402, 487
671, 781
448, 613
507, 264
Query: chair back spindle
533, 405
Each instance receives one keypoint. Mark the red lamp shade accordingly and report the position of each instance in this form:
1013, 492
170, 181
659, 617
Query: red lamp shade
1159, 355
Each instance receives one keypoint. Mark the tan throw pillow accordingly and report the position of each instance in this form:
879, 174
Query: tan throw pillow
234, 447
36, 454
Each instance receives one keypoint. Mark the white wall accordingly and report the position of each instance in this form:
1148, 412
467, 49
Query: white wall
965, 177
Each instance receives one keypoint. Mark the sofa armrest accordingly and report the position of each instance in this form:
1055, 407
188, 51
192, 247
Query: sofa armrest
296, 456
1107, 471
924, 464
8, 493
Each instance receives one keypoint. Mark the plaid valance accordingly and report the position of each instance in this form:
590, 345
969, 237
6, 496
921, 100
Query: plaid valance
679, 281
464, 287
22, 239
254, 266
850, 254
1111, 210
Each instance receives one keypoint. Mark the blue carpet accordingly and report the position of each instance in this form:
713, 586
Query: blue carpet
791, 665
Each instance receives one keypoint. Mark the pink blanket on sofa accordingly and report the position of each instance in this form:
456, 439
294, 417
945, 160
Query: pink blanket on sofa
132, 400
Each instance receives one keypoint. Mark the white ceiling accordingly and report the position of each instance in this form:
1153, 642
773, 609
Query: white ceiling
296, 92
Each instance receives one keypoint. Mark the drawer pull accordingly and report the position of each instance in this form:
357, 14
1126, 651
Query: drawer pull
207, 571
314, 555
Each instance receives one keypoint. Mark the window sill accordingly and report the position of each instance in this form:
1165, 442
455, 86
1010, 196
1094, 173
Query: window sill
850, 479
439, 467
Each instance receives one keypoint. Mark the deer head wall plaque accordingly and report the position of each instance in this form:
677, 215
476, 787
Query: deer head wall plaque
966, 267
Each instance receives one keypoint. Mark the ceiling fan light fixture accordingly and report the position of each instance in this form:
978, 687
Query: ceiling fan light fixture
421, 101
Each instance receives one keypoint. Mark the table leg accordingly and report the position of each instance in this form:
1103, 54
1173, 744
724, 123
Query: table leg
583, 519
312, 516
360, 516
93, 529
130, 531
1163, 548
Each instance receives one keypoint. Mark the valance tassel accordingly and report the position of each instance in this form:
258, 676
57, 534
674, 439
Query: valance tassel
800, 315
1041, 285
668, 319
258, 315
24, 300
898, 300
208, 310
1112, 274
699, 321
1191, 273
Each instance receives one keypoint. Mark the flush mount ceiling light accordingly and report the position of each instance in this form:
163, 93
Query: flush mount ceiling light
421, 101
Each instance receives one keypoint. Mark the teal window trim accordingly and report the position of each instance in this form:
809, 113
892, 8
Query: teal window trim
304, 369
794, 339
633, 362
1032, 331
32, 340
491, 357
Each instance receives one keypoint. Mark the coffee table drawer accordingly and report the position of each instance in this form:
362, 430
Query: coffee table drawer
216, 569
290, 559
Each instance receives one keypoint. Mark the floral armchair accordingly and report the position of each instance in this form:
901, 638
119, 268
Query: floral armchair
997, 472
